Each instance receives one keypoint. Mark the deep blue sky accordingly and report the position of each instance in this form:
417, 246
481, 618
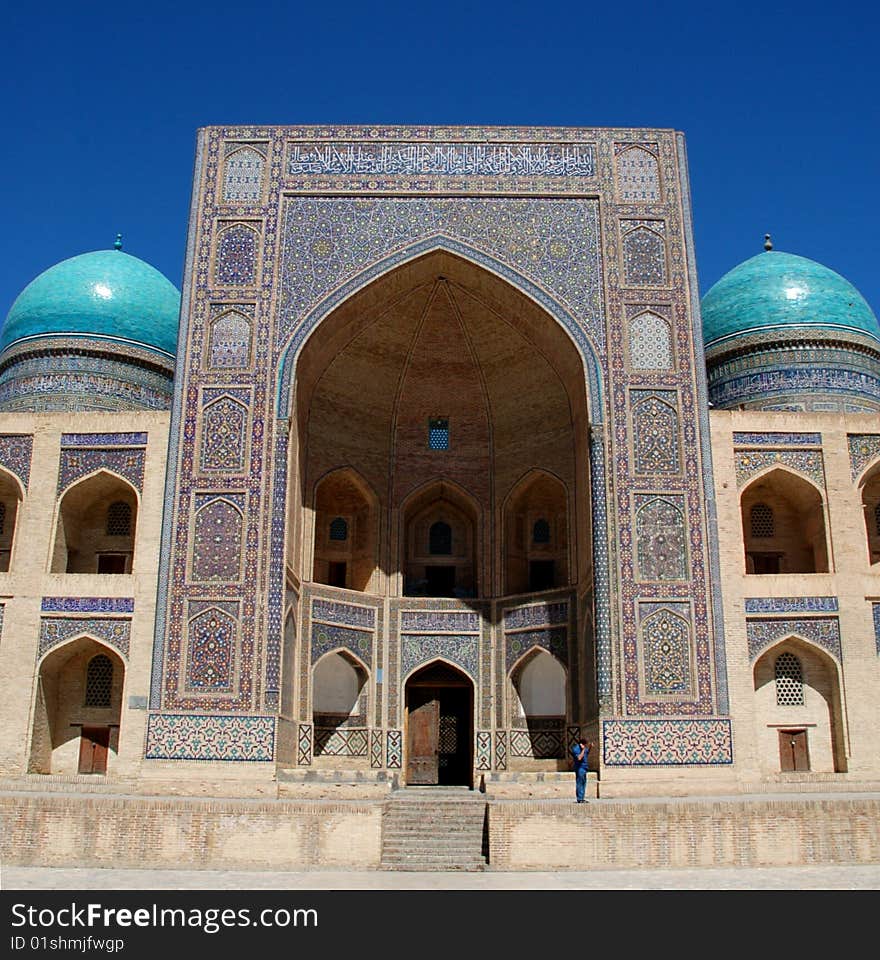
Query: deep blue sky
780, 104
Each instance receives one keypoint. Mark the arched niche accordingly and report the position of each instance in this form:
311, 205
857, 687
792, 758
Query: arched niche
345, 532
95, 527
783, 522
78, 708
536, 535
440, 541
10, 502
538, 708
870, 493
339, 705
798, 709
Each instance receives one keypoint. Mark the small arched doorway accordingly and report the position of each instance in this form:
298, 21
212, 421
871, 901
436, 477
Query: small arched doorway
439, 727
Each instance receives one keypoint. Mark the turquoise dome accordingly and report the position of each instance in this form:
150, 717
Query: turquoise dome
106, 294
781, 290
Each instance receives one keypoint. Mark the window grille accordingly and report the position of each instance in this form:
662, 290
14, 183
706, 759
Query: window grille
541, 532
99, 681
339, 529
119, 519
789, 681
438, 434
762, 521
440, 538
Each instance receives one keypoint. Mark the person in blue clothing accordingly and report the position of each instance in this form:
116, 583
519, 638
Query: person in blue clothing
580, 751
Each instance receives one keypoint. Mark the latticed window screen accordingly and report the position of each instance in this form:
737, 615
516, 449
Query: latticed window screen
99, 680
119, 519
438, 433
876, 520
541, 532
2, 518
762, 521
338, 528
789, 681
440, 538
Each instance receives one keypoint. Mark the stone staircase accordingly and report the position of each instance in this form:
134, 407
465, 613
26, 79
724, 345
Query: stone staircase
435, 828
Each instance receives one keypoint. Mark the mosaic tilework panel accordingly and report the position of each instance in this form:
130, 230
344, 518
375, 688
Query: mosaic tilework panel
650, 342
304, 745
807, 462
500, 749
274, 525
347, 613
15, 455
536, 614
770, 439
87, 605
188, 737
573, 736
211, 646
326, 637
655, 432
864, 448
376, 758
792, 382
483, 759
661, 538
57, 630
693, 742
236, 260
791, 604
217, 539
126, 462
462, 650
538, 744
665, 640
823, 631
875, 610
637, 172
644, 253
553, 639
224, 435
138, 439
328, 240
431, 620
394, 749
243, 175
229, 340
333, 742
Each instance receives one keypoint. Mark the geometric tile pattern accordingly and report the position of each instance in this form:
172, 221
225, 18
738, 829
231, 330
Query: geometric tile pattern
189, 737
552, 639
326, 638
375, 748
56, 630
304, 744
104, 439
823, 631
15, 455
332, 742
539, 744
394, 751
655, 431
660, 538
483, 759
807, 462
863, 448
666, 649
76, 463
637, 173
650, 342
224, 425
236, 262
212, 638
461, 649
875, 609
243, 175
230, 341
500, 749
644, 252
217, 535
673, 742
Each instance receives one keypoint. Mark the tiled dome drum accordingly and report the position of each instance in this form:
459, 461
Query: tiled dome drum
95, 332
786, 333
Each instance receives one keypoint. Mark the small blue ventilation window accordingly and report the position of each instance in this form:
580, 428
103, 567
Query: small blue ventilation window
541, 532
338, 529
438, 434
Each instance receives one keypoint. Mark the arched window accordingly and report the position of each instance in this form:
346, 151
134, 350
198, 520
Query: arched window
338, 528
440, 539
789, 681
118, 519
99, 681
541, 532
762, 521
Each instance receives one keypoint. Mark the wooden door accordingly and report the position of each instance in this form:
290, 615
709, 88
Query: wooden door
423, 763
793, 750
93, 746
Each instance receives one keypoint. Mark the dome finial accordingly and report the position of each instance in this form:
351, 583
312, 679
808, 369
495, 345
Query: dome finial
117, 245
768, 243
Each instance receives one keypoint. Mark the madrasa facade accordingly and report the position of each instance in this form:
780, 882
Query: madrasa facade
436, 464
